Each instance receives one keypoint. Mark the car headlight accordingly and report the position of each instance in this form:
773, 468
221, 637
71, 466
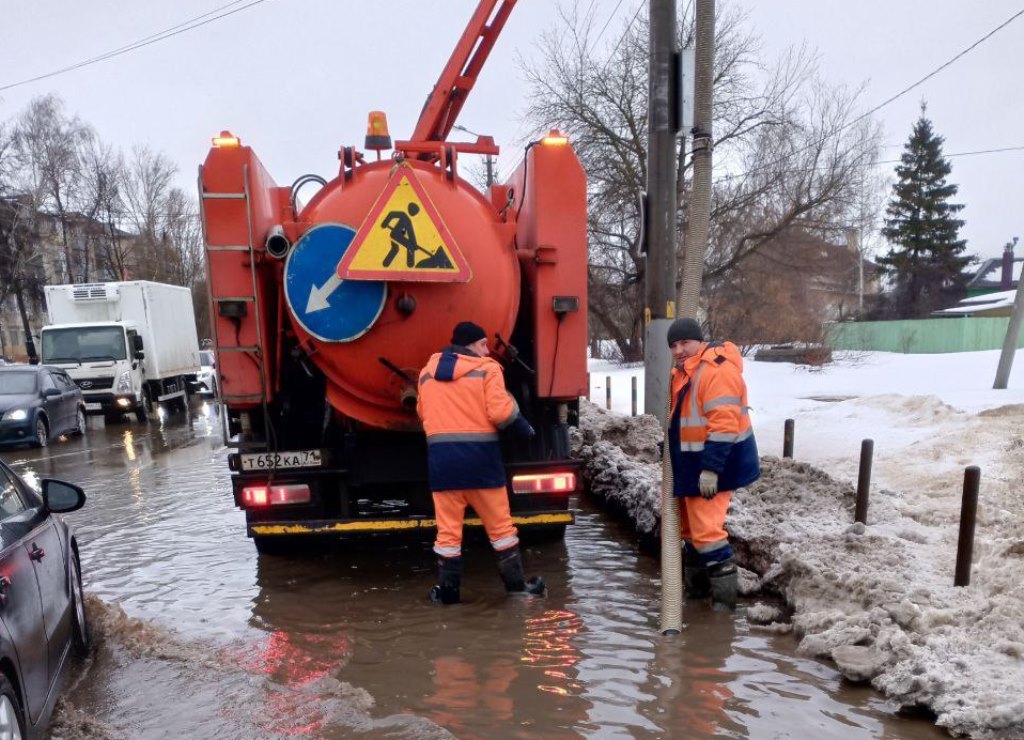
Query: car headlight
124, 382
17, 415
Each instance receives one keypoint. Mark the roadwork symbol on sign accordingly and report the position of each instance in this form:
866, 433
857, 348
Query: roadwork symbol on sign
404, 238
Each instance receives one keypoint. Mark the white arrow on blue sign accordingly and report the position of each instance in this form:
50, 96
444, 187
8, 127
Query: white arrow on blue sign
329, 308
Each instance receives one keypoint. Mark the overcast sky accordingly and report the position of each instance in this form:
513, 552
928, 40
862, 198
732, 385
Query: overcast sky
295, 78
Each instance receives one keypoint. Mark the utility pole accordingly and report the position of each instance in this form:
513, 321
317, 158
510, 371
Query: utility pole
853, 244
660, 273
490, 159
660, 308
1012, 332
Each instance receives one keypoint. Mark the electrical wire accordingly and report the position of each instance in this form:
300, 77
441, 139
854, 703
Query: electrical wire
188, 25
606, 24
897, 96
803, 170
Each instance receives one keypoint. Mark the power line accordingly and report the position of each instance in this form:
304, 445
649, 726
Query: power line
802, 170
606, 24
625, 33
941, 67
643, 3
901, 93
188, 25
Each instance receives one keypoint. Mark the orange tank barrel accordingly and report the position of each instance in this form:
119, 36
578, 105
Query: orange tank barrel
404, 286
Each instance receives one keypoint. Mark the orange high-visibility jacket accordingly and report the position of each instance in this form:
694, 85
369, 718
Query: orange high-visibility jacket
463, 404
709, 425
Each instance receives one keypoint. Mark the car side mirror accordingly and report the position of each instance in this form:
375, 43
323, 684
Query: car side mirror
60, 497
140, 355
137, 343
49, 392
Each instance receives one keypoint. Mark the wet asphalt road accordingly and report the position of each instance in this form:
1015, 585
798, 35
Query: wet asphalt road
199, 637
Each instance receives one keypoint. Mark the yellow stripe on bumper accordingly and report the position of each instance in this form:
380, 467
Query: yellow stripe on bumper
394, 525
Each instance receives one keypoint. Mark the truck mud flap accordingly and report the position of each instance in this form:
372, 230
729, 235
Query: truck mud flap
381, 526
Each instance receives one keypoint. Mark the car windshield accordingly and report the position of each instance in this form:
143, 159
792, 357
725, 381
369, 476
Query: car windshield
84, 344
206, 358
17, 384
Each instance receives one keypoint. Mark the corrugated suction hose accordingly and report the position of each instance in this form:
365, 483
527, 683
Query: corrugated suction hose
671, 554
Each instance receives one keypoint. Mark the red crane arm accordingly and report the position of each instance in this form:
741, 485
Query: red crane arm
459, 75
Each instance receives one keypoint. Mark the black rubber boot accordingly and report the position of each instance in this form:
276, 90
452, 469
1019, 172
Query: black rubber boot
724, 584
510, 567
449, 581
695, 575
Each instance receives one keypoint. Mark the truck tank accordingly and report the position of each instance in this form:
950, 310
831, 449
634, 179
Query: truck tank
324, 313
416, 315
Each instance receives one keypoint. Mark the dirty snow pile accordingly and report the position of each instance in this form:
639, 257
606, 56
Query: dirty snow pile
878, 600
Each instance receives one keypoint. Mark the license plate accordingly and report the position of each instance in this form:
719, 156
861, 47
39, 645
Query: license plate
281, 460
93, 406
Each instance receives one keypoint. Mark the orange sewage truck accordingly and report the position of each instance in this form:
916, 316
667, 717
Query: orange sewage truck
324, 312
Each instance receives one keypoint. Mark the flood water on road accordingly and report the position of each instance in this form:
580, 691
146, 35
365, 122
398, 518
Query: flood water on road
198, 637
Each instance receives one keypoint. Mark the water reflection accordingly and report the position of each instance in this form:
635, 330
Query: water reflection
689, 677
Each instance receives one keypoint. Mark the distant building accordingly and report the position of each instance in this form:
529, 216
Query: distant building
95, 252
992, 289
996, 274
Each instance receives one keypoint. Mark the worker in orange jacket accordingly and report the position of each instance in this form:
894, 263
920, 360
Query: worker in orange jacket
463, 405
713, 452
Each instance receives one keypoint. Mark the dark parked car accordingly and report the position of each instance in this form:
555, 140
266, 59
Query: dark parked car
42, 609
38, 403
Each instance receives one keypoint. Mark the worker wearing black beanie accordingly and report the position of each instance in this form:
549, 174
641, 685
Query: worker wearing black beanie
712, 450
463, 404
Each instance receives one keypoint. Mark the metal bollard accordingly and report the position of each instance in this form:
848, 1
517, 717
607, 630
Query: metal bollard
968, 516
608, 392
789, 431
867, 449
634, 395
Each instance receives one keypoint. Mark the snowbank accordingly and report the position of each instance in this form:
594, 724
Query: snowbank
878, 600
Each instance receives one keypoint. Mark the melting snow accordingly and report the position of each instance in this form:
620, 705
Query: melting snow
878, 600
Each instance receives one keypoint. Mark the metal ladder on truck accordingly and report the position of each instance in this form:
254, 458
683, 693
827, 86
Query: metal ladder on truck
227, 307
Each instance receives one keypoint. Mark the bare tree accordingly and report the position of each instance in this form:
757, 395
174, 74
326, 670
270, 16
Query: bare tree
790, 143
146, 183
49, 144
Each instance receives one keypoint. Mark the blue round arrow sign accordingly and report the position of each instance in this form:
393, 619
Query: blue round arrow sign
329, 308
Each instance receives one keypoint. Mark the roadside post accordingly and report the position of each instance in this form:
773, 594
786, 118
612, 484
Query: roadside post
634, 395
788, 432
608, 392
867, 449
968, 517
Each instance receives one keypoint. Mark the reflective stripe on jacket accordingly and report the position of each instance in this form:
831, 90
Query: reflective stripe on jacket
709, 423
463, 404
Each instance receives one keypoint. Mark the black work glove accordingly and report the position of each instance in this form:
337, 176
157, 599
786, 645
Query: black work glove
521, 428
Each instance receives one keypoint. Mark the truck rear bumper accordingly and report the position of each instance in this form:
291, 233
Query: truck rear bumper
379, 526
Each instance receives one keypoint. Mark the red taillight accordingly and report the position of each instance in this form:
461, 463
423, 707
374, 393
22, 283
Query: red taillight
544, 483
255, 496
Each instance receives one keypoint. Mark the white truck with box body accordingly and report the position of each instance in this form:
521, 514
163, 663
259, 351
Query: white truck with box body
128, 345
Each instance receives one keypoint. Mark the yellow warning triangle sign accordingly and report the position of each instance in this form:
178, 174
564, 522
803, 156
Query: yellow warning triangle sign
404, 238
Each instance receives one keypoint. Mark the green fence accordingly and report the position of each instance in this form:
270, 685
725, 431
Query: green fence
922, 336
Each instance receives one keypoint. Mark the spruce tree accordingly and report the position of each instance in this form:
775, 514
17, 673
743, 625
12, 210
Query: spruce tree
926, 259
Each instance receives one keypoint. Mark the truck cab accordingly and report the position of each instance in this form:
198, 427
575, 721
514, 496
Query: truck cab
105, 361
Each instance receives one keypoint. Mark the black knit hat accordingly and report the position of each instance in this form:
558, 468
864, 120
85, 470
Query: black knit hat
466, 332
684, 329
